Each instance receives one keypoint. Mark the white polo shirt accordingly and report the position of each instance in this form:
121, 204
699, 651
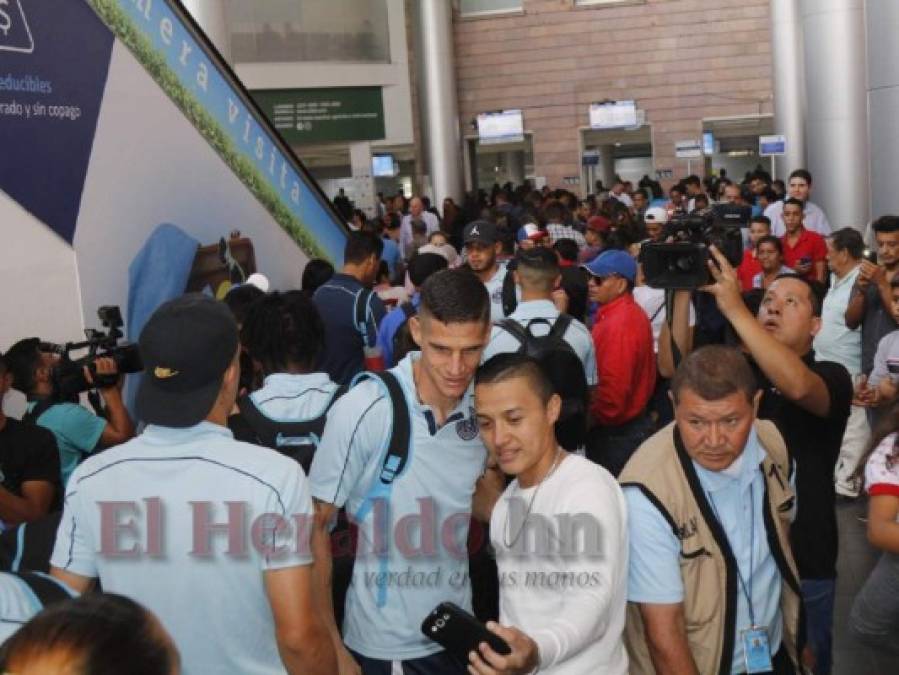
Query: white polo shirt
495, 290
422, 523
294, 398
577, 335
208, 591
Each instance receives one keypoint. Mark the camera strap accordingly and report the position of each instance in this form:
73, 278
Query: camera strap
676, 356
40, 407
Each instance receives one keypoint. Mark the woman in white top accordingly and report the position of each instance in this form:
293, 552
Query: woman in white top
560, 534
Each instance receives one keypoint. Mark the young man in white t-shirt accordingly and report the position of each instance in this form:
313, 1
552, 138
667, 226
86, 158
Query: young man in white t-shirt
559, 531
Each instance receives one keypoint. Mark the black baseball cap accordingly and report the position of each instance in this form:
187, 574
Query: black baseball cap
481, 231
186, 346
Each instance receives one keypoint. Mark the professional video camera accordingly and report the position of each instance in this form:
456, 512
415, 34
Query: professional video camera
68, 375
681, 262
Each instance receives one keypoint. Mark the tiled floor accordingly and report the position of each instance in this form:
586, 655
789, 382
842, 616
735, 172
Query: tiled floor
857, 557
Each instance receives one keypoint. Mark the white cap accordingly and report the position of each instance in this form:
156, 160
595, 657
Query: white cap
655, 214
259, 281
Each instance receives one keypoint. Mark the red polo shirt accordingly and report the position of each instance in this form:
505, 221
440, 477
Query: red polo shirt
809, 245
625, 362
748, 269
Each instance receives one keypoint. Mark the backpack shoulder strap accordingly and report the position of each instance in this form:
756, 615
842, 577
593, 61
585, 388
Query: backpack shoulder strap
516, 330
46, 589
408, 310
39, 409
397, 454
363, 297
557, 332
264, 428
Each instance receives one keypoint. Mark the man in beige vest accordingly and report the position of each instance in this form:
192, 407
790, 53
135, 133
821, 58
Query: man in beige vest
712, 585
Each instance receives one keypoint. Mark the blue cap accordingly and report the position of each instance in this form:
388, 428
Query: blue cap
614, 261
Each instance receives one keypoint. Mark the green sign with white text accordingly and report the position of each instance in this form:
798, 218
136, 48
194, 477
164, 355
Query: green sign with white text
304, 116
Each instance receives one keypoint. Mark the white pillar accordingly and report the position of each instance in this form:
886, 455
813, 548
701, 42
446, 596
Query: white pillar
438, 102
837, 110
363, 181
210, 14
882, 17
789, 83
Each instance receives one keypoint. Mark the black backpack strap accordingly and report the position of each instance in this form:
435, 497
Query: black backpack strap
266, 430
509, 295
557, 332
408, 310
47, 590
39, 409
363, 297
401, 434
516, 330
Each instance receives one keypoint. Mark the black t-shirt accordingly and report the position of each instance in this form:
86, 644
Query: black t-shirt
28, 452
814, 444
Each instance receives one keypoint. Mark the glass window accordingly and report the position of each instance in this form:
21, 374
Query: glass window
309, 30
480, 7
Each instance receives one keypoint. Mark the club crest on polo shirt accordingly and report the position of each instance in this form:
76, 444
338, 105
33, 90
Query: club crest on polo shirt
467, 429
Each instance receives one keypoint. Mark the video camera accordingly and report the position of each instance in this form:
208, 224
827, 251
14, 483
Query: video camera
68, 375
681, 261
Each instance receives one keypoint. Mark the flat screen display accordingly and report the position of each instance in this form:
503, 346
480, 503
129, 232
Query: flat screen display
708, 143
613, 115
505, 126
382, 165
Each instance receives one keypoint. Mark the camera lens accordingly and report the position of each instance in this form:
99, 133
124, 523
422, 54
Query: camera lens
440, 623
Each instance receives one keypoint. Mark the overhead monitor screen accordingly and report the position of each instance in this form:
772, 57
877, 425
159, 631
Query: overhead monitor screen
505, 126
613, 115
382, 165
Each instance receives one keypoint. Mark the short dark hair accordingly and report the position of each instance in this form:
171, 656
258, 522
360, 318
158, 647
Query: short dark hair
886, 224
455, 296
240, 298
764, 220
794, 202
509, 365
816, 290
567, 249
283, 330
692, 179
770, 239
423, 265
102, 631
769, 194
848, 239
555, 212
714, 372
23, 359
803, 174
316, 273
360, 246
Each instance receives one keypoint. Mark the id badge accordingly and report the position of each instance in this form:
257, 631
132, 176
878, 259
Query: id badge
756, 650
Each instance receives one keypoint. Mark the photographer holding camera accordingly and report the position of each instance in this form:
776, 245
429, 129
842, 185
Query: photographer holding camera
78, 431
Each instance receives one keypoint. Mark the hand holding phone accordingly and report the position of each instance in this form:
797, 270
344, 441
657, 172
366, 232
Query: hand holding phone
459, 632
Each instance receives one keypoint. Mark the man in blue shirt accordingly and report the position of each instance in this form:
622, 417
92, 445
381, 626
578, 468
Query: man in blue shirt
349, 308
421, 267
411, 553
712, 584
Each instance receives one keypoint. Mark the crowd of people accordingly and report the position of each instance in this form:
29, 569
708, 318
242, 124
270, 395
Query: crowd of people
486, 406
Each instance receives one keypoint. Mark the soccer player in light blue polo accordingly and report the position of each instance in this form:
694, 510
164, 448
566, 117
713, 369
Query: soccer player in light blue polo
405, 568
537, 276
210, 534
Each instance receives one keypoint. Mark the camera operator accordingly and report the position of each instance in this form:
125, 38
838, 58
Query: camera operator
78, 431
29, 466
809, 403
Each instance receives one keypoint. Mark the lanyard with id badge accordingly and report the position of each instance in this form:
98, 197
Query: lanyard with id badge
756, 649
